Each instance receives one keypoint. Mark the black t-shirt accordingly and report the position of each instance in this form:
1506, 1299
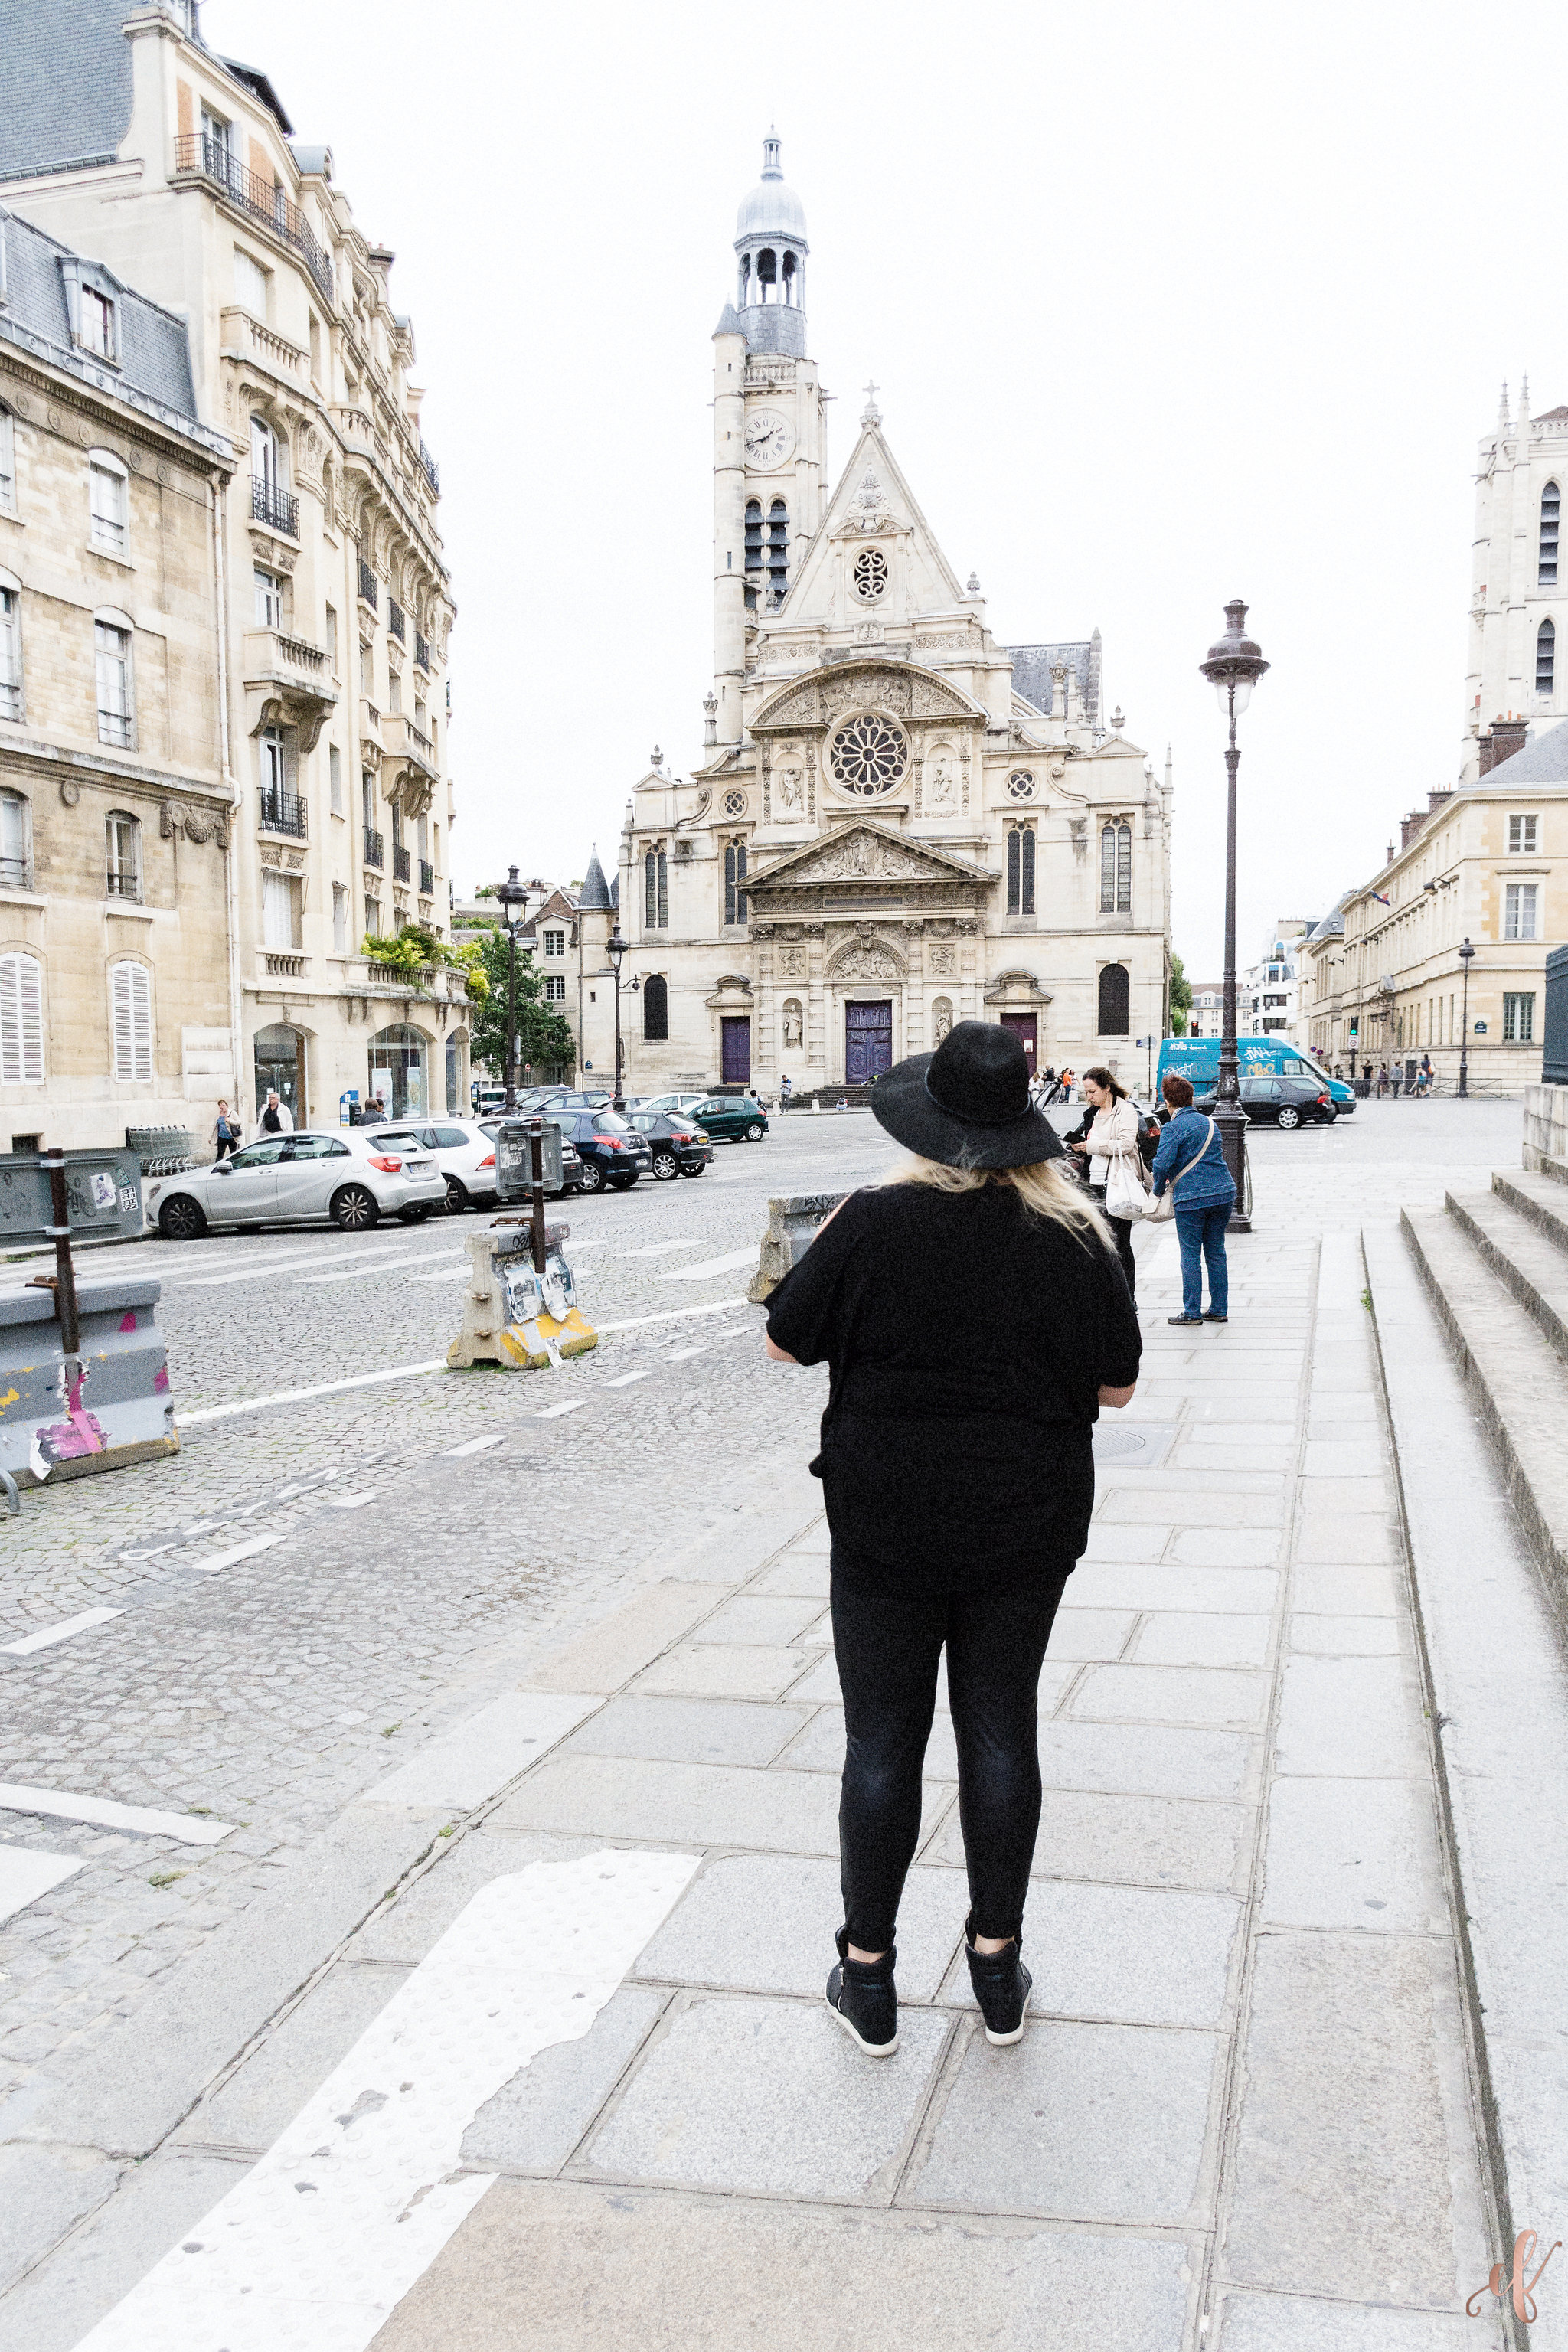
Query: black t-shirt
967, 1341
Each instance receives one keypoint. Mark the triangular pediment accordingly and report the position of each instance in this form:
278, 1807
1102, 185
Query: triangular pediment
865, 853
899, 687
874, 505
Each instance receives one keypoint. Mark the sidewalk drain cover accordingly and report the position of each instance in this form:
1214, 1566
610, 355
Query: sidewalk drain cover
1140, 1442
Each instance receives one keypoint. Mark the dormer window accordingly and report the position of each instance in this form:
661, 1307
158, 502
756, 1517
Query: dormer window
91, 307
97, 331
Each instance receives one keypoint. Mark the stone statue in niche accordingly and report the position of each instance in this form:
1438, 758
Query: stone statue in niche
940, 1020
791, 789
941, 784
794, 1026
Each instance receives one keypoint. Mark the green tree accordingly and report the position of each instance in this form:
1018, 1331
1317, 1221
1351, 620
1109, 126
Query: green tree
545, 1041
1181, 997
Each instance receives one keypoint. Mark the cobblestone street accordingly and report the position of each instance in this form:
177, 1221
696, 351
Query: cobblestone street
349, 1628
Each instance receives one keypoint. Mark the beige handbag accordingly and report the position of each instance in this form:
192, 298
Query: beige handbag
1164, 1208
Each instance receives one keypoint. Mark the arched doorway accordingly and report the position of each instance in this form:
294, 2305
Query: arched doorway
400, 1071
280, 1056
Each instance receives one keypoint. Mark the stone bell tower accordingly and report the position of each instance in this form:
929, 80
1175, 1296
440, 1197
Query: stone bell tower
770, 442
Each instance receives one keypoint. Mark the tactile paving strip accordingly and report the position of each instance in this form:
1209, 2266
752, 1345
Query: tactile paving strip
314, 2248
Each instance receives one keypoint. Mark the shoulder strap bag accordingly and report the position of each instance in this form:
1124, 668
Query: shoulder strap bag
1164, 1208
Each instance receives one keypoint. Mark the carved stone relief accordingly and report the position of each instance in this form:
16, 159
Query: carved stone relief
868, 962
791, 962
943, 956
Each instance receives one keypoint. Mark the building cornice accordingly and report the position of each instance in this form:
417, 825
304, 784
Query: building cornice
43, 364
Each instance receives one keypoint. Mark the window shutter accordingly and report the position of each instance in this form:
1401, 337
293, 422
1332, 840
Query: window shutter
21, 1022
132, 997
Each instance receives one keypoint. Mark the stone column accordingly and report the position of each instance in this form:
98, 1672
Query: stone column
971, 980
818, 1004
916, 1009
764, 1040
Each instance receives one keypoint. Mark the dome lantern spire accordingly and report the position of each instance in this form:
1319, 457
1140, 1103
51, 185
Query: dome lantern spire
770, 249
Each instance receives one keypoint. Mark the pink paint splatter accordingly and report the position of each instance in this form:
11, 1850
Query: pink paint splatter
128, 1322
161, 1379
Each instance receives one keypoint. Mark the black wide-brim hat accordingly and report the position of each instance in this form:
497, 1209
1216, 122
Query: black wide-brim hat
967, 1104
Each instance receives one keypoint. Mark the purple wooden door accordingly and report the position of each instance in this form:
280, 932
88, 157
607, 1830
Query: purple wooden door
734, 1049
1022, 1024
867, 1042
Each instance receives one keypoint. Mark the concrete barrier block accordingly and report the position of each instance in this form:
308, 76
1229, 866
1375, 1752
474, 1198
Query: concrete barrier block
793, 1223
119, 1410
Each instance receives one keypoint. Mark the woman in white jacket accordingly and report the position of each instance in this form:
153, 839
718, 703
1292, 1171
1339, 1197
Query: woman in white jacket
1109, 1133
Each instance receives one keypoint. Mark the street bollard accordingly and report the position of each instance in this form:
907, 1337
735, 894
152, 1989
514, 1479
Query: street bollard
516, 1314
794, 1223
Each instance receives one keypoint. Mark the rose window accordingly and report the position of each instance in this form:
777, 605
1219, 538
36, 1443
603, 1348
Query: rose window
867, 756
869, 574
734, 803
1020, 785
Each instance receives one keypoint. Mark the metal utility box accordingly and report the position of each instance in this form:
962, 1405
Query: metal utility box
103, 1190
514, 1158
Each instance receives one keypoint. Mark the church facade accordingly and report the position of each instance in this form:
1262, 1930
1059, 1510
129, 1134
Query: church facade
898, 822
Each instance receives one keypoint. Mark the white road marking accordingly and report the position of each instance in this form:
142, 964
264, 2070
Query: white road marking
218, 1559
445, 1273
351, 1502
24, 1875
296, 1396
712, 1266
60, 1633
683, 1355
349, 2207
254, 1269
473, 1445
655, 1249
555, 1412
625, 1379
671, 1315
59, 1804
383, 1265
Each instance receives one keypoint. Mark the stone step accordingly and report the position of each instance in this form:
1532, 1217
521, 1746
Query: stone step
1518, 1378
1522, 1257
1538, 1196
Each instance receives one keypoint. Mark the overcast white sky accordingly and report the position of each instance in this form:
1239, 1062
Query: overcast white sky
1167, 305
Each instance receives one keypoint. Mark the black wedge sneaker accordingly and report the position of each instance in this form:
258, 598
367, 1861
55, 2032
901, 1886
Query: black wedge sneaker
862, 1996
1002, 1985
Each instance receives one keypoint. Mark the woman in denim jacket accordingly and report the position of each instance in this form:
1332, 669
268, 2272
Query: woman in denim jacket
1190, 1150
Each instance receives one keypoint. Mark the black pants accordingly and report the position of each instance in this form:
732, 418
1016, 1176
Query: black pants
889, 1646
1122, 1229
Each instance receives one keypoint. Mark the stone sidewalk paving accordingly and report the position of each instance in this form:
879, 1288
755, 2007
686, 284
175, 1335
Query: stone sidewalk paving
1242, 2114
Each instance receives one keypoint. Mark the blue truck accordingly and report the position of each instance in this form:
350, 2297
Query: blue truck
1256, 1058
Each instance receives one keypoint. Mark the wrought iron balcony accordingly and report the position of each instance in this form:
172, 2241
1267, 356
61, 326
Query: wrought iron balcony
426, 879
394, 620
369, 593
373, 847
421, 651
197, 156
401, 864
122, 882
278, 509
282, 812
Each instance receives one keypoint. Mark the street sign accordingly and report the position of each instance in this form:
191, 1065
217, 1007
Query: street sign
514, 1163
103, 1194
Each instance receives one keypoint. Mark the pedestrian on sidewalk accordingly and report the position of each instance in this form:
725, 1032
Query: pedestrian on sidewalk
1382, 1080
1108, 1132
277, 1119
786, 1092
973, 1319
1190, 1156
226, 1132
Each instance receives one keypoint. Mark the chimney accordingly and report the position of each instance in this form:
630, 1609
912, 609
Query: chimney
1506, 736
1435, 800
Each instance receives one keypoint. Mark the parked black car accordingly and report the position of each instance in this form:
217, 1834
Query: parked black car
1286, 1102
679, 1147
610, 1152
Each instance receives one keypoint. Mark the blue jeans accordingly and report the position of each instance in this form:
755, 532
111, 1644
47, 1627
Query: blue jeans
1200, 1233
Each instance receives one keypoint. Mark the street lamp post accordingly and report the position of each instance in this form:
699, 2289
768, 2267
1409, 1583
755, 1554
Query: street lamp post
1232, 668
1466, 956
513, 898
616, 947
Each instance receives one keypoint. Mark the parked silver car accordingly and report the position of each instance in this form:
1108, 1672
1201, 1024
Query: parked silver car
343, 1173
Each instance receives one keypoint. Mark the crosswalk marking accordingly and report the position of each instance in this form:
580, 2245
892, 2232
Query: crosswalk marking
46, 1638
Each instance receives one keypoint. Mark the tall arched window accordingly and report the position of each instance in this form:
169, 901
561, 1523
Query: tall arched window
656, 891
767, 275
108, 501
21, 1021
131, 999
655, 1008
753, 551
111, 639
735, 882
1116, 869
16, 866
1551, 513
1114, 1016
778, 551
123, 855
1021, 870
1545, 657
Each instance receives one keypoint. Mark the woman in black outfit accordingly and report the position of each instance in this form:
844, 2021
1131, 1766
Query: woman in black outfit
973, 1318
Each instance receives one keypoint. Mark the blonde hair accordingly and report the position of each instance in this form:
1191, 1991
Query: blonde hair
1045, 1187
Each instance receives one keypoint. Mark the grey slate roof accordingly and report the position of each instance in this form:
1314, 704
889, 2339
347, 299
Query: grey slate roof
65, 83
1032, 673
1544, 761
595, 897
154, 353
1333, 926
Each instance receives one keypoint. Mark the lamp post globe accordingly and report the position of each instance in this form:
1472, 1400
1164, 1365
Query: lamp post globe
615, 948
1233, 666
512, 899
1466, 956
